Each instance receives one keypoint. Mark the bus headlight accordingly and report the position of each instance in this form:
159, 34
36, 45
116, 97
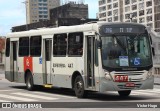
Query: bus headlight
149, 74
107, 76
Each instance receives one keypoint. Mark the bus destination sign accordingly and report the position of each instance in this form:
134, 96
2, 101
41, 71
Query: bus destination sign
112, 29
118, 29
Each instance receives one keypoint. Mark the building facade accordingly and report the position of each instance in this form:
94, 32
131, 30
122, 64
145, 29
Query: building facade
2, 50
139, 11
109, 10
39, 10
66, 15
157, 15
156, 45
70, 10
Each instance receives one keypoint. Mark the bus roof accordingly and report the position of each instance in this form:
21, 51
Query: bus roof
66, 29
118, 23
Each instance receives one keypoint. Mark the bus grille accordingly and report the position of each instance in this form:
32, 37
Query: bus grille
133, 76
129, 73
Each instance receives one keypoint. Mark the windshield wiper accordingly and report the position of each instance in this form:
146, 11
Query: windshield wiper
119, 42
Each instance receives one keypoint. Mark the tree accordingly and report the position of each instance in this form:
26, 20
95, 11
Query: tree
2, 44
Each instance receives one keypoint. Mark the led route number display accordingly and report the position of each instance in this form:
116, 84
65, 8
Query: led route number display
118, 28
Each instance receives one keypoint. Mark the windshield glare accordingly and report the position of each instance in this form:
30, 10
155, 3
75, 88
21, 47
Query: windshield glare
126, 51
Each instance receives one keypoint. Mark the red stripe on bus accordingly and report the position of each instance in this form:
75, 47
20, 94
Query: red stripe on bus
28, 63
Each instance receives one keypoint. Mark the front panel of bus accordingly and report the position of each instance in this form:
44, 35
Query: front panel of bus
126, 57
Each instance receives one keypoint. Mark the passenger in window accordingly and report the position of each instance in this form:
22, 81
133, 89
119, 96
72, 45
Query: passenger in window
80, 51
71, 51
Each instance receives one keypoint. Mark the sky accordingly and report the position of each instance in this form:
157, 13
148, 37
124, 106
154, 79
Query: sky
12, 13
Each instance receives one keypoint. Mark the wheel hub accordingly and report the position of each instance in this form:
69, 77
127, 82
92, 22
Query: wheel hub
79, 85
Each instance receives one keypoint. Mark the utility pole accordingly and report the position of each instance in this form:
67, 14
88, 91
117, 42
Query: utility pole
26, 2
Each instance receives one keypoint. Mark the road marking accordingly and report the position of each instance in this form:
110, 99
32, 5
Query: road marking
16, 98
144, 94
116, 92
52, 94
5, 101
152, 92
34, 96
149, 90
10, 90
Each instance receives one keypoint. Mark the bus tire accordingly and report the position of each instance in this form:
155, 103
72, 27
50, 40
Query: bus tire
79, 87
29, 82
124, 93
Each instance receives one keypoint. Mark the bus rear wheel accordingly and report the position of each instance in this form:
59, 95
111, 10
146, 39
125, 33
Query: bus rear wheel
29, 82
124, 93
79, 87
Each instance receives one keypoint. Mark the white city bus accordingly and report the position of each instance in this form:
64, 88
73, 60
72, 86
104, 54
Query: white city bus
90, 57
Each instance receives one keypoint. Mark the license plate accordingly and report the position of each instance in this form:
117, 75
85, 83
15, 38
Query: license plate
121, 78
129, 84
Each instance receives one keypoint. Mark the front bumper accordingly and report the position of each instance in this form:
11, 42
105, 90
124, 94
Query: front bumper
118, 86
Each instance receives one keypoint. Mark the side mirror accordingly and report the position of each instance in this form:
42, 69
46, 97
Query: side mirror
153, 51
99, 44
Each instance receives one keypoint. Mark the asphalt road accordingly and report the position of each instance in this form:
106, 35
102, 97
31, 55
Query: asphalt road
65, 98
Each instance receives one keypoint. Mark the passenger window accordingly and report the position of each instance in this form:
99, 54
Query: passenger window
75, 44
24, 46
14, 51
35, 45
7, 47
60, 45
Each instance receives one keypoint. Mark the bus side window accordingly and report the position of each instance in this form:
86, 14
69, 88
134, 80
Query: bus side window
35, 46
75, 44
24, 46
7, 47
59, 44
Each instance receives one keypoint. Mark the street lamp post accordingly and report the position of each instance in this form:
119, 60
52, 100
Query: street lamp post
25, 2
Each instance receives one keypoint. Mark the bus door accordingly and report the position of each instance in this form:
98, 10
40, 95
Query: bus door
13, 59
47, 51
90, 62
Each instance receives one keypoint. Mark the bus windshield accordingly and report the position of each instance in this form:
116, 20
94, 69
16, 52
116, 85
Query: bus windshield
126, 51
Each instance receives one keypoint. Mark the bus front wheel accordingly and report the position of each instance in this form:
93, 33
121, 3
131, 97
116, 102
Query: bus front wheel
79, 87
124, 93
29, 82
